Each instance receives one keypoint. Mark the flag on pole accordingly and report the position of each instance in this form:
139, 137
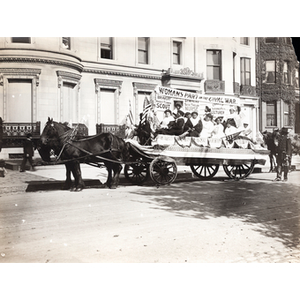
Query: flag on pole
146, 109
130, 115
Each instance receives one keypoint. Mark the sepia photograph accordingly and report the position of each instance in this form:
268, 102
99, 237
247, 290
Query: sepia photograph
128, 152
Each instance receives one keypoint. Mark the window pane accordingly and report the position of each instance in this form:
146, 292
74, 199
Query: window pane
106, 47
210, 73
66, 42
176, 59
142, 57
271, 114
176, 53
247, 79
247, 64
176, 47
107, 103
213, 57
245, 40
270, 71
270, 77
270, 39
19, 103
24, 40
270, 108
270, 65
142, 43
216, 73
286, 119
214, 64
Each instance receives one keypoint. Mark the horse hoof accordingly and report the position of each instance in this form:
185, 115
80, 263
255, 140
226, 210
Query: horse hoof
73, 189
78, 189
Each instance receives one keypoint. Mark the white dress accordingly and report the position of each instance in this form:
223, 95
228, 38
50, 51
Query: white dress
166, 121
218, 131
207, 129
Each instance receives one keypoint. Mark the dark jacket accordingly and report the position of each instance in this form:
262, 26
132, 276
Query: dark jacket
193, 130
28, 147
284, 145
176, 127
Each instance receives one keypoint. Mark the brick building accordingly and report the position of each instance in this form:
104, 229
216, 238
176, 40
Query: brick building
277, 83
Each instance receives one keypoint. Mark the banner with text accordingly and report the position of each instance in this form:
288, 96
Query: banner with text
166, 97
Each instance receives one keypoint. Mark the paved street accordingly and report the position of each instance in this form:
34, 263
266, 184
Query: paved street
253, 220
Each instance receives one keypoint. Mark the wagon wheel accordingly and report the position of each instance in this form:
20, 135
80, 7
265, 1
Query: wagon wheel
205, 171
163, 170
239, 171
137, 173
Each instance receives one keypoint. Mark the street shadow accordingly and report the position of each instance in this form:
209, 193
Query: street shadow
55, 185
272, 207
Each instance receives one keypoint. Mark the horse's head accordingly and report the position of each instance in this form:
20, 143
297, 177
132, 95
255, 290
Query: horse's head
49, 132
52, 133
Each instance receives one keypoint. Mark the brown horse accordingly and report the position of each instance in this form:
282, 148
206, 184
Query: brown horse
105, 148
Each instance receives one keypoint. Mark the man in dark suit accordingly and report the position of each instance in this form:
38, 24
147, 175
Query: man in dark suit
283, 154
28, 153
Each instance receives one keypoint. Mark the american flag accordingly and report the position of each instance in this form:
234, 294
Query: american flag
146, 109
130, 115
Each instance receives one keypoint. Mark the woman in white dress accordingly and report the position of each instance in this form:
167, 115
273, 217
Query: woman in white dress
208, 126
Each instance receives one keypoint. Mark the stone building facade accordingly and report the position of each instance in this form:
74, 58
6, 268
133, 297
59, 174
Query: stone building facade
277, 83
97, 80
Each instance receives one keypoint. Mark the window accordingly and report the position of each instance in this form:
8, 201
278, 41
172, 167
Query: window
245, 71
297, 78
22, 40
245, 40
108, 103
69, 103
270, 71
143, 50
19, 101
177, 48
66, 42
286, 73
107, 47
287, 40
286, 114
271, 114
270, 40
214, 67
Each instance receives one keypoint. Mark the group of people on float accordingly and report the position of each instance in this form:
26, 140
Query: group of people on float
191, 124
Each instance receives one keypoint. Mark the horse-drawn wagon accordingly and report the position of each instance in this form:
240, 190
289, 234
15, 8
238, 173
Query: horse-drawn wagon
237, 155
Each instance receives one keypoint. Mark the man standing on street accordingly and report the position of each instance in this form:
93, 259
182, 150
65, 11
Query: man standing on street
283, 154
28, 153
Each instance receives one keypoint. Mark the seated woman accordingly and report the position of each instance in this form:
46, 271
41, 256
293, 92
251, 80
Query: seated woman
208, 126
167, 119
246, 130
193, 125
175, 127
230, 127
165, 122
218, 131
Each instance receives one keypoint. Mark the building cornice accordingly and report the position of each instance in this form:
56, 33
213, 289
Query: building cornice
121, 74
57, 62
